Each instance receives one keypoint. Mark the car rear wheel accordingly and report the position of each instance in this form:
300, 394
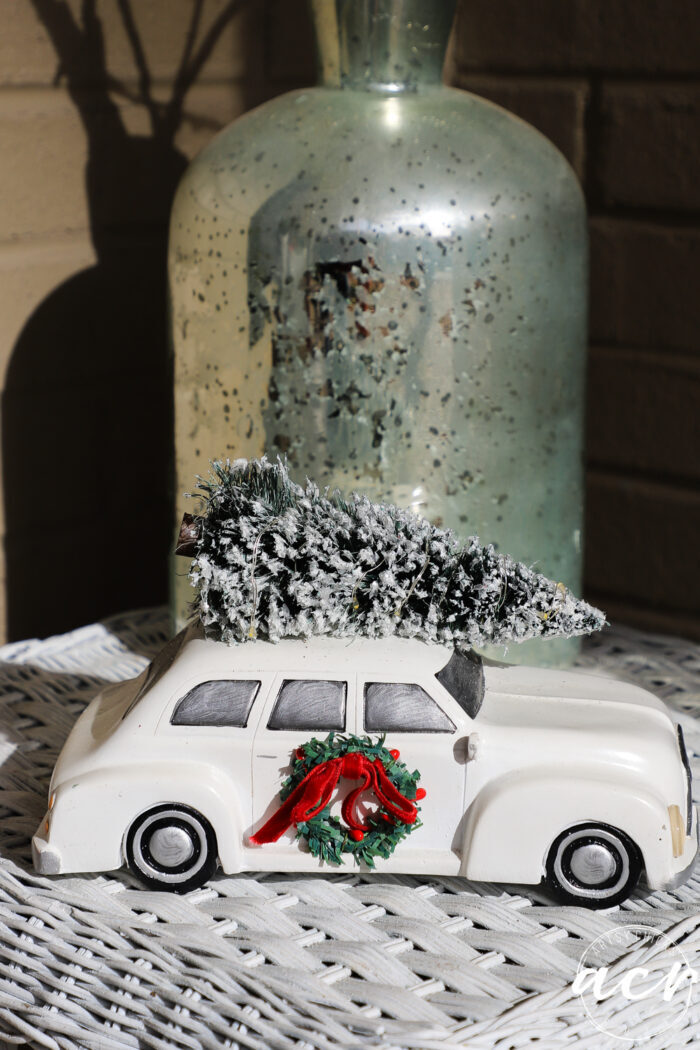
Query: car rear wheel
172, 847
593, 865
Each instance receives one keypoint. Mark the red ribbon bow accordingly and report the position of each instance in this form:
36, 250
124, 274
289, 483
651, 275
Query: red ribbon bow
314, 792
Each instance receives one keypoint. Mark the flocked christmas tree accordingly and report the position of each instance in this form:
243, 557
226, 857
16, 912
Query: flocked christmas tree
273, 559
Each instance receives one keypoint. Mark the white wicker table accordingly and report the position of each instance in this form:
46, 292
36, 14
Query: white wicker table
279, 961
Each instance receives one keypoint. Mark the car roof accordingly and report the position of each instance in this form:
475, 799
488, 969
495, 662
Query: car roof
409, 656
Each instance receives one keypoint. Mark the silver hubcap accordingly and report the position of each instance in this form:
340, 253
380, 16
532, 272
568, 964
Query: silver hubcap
170, 847
586, 870
592, 864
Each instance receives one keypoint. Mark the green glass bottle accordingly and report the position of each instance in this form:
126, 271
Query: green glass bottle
384, 279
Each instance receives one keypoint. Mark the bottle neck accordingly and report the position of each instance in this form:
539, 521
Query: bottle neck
389, 46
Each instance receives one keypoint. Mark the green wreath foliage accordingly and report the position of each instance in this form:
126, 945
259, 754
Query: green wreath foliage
326, 836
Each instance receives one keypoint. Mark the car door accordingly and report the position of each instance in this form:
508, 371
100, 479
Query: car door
428, 729
212, 721
300, 706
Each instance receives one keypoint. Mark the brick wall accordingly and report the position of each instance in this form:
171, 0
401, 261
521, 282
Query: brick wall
616, 85
100, 108
97, 125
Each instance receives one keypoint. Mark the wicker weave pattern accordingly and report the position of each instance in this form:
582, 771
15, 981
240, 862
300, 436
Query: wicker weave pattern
276, 961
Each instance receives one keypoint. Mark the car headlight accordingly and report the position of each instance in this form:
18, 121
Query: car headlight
677, 830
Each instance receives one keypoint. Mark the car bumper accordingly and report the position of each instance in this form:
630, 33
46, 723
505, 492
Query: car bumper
46, 858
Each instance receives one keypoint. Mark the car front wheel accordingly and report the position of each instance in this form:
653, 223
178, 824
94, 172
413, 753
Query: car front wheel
172, 847
593, 865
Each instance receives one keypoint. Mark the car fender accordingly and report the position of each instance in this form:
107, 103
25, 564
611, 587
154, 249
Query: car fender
515, 818
93, 814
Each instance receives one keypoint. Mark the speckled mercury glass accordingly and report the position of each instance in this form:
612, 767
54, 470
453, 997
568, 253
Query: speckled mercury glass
383, 279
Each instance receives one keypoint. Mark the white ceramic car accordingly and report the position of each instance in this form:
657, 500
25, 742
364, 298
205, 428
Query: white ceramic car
528, 773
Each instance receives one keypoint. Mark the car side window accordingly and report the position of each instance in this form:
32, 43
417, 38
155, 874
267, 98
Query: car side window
309, 704
403, 707
463, 678
217, 703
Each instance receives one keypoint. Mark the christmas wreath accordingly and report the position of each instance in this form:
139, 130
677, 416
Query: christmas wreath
306, 797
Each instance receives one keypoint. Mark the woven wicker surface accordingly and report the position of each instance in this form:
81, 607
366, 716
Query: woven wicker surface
276, 961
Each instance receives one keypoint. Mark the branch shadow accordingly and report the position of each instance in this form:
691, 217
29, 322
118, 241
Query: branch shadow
87, 406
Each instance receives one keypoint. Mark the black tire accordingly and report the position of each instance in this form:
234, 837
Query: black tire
172, 847
593, 866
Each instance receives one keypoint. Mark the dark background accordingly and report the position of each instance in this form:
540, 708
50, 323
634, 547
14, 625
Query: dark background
101, 104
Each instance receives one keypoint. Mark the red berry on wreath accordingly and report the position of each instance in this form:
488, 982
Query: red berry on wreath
357, 835
299, 753
420, 793
394, 753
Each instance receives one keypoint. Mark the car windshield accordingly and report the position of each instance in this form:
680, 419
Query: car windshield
158, 666
463, 678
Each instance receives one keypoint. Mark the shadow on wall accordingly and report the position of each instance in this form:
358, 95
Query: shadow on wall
86, 411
